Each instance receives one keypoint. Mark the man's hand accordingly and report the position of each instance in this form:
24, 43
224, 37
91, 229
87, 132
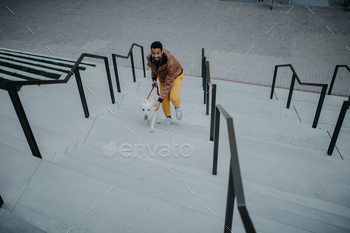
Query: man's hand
156, 106
155, 82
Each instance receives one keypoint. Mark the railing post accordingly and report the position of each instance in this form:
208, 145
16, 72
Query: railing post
338, 127
143, 62
208, 87
202, 65
116, 72
216, 140
333, 79
109, 80
207, 101
81, 93
212, 114
230, 202
319, 106
203, 72
132, 65
23, 119
291, 91
1, 201
208, 71
205, 88
273, 82
206, 78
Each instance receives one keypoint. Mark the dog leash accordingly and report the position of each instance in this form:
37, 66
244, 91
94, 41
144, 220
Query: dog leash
153, 85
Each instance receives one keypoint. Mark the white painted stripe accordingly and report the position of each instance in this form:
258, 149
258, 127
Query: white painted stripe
25, 73
32, 66
12, 78
33, 62
38, 54
42, 58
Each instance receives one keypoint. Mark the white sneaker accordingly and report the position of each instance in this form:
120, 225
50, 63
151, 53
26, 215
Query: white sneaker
168, 120
178, 113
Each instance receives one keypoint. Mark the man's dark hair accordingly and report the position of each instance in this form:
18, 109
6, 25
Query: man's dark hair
156, 45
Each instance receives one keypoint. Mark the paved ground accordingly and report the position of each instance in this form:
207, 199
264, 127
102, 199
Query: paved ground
313, 39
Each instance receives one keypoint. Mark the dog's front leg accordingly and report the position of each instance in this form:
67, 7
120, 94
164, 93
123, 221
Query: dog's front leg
151, 129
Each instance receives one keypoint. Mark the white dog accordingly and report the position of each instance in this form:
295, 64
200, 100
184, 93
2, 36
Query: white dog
147, 108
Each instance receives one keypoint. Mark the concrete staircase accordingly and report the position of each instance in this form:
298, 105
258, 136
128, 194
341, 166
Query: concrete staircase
90, 180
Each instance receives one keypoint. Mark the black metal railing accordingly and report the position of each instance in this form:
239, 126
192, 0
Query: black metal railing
206, 83
205, 71
337, 128
212, 113
235, 186
334, 77
208, 88
295, 77
130, 54
11, 88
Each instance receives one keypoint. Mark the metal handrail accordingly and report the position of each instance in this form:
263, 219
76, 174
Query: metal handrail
203, 67
132, 64
10, 86
205, 81
235, 187
335, 75
295, 77
337, 128
212, 113
206, 84
204, 76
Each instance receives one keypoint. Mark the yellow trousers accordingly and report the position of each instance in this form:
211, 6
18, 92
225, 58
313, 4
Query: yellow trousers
173, 96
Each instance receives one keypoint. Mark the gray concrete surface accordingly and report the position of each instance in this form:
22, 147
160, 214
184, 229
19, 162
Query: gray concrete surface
290, 183
227, 30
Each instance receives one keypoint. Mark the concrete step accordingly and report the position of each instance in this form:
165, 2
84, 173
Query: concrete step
45, 133
133, 212
283, 165
182, 199
42, 141
45, 138
16, 169
305, 178
12, 224
127, 85
299, 151
68, 121
184, 126
267, 123
30, 75
43, 57
306, 103
256, 207
35, 63
213, 190
12, 78
49, 94
32, 67
106, 130
97, 99
22, 145
154, 172
153, 165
